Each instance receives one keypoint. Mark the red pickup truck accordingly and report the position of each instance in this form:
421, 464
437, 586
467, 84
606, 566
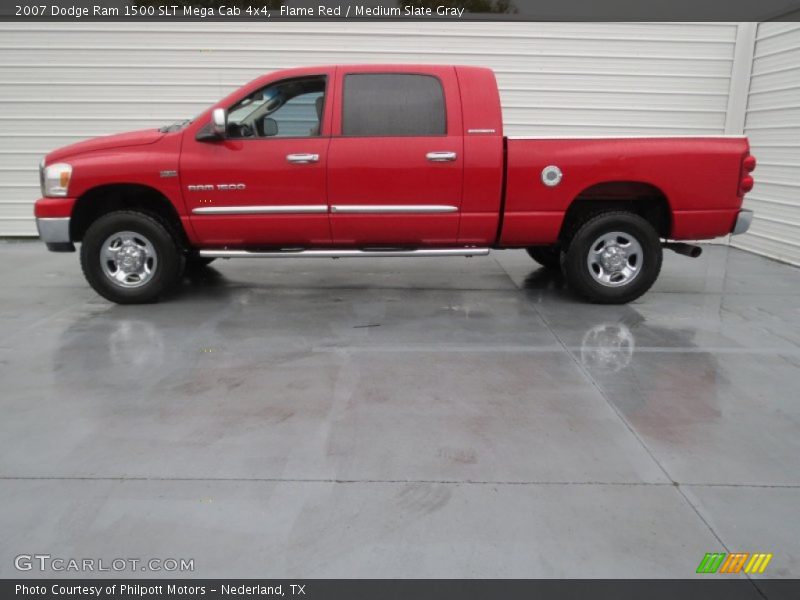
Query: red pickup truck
383, 160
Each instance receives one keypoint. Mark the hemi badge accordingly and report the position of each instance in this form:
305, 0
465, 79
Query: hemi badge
480, 131
169, 173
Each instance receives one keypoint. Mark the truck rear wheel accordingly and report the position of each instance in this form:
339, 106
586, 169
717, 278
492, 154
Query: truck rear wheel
130, 257
547, 256
614, 258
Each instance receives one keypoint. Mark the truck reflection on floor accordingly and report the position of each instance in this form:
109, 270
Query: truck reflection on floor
608, 346
128, 348
651, 372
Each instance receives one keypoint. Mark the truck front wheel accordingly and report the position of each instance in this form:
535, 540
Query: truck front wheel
613, 258
130, 257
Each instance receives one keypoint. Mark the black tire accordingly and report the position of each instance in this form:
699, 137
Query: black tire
195, 262
585, 279
162, 254
547, 256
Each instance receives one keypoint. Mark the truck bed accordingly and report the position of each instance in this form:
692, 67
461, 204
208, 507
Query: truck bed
695, 176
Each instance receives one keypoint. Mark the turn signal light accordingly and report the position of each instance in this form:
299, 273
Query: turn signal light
749, 164
746, 184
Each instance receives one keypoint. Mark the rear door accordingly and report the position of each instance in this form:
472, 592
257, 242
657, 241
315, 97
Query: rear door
395, 164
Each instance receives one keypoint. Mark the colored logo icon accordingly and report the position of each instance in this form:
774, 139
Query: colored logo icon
721, 562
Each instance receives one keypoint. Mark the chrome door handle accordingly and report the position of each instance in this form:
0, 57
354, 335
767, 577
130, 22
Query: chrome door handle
441, 156
302, 159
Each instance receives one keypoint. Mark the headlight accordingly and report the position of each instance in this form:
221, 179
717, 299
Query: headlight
55, 179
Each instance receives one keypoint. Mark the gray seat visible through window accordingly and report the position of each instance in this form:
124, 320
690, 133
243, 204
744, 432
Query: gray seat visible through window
318, 104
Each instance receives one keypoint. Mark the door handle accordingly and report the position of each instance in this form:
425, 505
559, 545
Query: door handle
302, 159
441, 156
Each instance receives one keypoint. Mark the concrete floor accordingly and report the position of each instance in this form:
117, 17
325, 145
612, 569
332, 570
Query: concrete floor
397, 418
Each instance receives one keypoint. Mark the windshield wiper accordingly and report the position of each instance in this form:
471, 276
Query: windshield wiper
176, 126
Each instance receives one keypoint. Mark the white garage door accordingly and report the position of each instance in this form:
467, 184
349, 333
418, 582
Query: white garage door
63, 82
773, 126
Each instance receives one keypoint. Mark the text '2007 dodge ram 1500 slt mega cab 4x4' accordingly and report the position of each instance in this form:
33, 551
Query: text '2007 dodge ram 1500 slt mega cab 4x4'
383, 160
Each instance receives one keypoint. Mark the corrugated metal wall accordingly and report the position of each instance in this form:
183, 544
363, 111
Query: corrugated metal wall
63, 82
773, 126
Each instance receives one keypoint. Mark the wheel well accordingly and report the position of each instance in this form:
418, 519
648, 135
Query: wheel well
108, 198
643, 199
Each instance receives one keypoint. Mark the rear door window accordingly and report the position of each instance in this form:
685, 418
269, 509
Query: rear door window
393, 104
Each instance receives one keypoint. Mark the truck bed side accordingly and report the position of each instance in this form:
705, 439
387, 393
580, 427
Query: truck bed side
698, 178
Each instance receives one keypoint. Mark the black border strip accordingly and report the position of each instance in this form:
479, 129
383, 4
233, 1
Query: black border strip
711, 587
480, 10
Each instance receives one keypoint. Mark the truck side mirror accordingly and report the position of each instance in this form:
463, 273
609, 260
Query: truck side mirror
219, 122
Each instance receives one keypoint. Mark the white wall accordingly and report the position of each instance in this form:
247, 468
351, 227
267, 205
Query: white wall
773, 126
63, 82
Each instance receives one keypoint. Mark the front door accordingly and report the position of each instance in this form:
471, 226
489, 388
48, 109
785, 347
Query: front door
265, 183
395, 164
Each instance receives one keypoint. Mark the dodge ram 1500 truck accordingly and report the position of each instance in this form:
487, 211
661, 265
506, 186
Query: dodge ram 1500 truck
383, 160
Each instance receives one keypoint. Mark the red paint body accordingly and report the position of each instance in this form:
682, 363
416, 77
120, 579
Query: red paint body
494, 184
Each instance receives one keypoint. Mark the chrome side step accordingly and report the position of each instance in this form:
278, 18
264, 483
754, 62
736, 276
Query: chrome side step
343, 253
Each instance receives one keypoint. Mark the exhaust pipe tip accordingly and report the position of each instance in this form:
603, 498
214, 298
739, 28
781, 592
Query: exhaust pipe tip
690, 250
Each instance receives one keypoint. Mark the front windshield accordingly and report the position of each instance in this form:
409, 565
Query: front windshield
246, 108
263, 101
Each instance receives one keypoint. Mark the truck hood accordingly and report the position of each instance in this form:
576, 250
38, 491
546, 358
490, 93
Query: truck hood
120, 140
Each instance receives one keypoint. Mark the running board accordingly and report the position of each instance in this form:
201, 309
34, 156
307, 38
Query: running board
345, 253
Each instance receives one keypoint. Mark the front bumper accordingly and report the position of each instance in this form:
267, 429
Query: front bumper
54, 232
743, 221
52, 221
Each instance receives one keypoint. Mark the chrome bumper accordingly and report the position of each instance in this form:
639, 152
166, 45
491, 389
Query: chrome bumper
55, 233
743, 221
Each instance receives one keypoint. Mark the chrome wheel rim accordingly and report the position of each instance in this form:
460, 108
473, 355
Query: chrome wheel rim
128, 259
615, 259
